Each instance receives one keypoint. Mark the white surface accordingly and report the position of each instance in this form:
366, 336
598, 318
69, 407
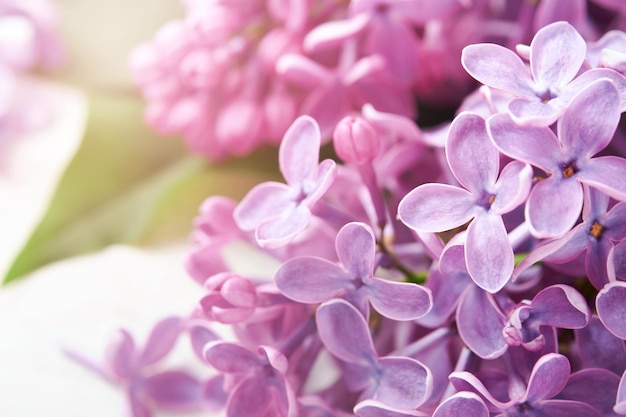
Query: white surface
79, 303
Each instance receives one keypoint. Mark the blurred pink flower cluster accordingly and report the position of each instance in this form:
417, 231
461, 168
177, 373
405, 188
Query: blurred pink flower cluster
29, 41
232, 75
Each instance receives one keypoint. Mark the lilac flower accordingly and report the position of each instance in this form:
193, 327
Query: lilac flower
484, 198
278, 212
556, 306
534, 398
131, 367
525, 324
211, 76
314, 280
259, 382
401, 382
557, 53
586, 128
386, 29
594, 238
29, 36
215, 228
335, 93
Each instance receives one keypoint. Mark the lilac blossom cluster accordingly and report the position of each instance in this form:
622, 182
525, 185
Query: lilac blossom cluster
29, 41
472, 269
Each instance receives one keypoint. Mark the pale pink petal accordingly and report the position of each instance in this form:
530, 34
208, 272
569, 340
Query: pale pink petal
173, 390
251, 398
462, 404
280, 231
230, 357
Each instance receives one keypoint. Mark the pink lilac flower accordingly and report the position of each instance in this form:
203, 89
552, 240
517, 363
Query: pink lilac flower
585, 129
484, 198
278, 212
29, 36
556, 53
211, 78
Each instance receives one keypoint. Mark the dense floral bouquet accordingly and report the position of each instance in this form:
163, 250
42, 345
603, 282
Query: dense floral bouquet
472, 264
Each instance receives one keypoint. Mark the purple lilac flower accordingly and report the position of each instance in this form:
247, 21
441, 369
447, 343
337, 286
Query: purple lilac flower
314, 280
594, 238
557, 53
532, 398
278, 212
486, 196
397, 381
132, 368
585, 129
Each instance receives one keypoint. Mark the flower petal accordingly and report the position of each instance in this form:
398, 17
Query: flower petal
498, 67
251, 398
548, 377
263, 203
611, 307
462, 404
561, 306
298, 155
280, 231
345, 333
512, 187
334, 33
436, 207
553, 207
373, 408
173, 390
356, 248
537, 146
311, 280
399, 300
606, 173
404, 382
595, 387
488, 253
230, 357
484, 336
587, 135
473, 159
556, 54
161, 340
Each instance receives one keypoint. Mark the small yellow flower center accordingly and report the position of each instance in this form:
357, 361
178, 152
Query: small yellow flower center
596, 230
492, 199
568, 169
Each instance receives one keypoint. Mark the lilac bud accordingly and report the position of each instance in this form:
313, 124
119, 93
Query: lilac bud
356, 140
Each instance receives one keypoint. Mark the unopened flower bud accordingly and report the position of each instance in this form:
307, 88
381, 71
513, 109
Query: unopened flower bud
356, 140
